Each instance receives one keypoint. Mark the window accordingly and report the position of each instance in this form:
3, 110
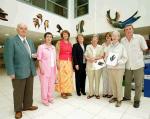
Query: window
59, 7
28, 1
81, 7
63, 3
39, 3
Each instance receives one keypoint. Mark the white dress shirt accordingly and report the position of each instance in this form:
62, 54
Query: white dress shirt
135, 49
119, 49
82, 46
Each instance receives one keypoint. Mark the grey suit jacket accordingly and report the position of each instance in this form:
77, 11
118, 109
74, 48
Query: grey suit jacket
17, 60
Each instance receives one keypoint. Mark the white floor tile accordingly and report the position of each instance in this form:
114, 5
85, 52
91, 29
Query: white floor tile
127, 116
73, 108
79, 114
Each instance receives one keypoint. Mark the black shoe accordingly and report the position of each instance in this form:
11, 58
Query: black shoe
126, 99
83, 93
79, 94
136, 104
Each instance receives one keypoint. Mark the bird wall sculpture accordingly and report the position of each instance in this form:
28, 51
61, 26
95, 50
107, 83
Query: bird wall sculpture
59, 28
121, 24
3, 15
79, 27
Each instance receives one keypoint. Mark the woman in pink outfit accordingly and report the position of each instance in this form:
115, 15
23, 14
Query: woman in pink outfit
46, 56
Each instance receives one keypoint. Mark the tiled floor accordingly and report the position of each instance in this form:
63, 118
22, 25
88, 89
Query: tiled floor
73, 108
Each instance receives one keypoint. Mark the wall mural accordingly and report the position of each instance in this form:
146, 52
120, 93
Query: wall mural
46, 24
121, 24
38, 20
39, 16
3, 15
79, 27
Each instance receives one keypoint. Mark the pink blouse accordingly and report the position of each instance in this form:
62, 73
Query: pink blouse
65, 50
47, 55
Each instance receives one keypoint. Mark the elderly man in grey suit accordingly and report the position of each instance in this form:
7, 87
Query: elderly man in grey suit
18, 57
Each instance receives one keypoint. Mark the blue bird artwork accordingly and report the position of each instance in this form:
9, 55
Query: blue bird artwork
121, 24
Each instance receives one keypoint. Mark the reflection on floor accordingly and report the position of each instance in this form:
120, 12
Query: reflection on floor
73, 108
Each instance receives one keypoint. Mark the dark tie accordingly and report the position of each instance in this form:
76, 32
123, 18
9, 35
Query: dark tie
26, 46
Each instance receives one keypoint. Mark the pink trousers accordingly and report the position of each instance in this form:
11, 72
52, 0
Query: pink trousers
47, 85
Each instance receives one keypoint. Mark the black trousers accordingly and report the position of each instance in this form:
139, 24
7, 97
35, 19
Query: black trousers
22, 93
80, 77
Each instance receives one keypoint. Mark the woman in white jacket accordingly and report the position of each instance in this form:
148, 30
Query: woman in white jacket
117, 57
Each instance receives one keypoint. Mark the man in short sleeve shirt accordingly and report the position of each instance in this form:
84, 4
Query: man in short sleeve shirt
135, 44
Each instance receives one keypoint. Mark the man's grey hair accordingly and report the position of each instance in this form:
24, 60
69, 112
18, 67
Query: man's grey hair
21, 24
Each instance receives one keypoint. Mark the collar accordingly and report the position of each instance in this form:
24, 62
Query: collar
21, 38
48, 47
94, 47
115, 44
81, 44
131, 38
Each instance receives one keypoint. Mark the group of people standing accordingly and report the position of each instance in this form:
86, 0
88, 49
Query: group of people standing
56, 65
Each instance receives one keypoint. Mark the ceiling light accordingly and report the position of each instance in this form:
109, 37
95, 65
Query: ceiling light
6, 34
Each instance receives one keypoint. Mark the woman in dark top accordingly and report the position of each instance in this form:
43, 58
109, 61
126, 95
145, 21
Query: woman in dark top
79, 64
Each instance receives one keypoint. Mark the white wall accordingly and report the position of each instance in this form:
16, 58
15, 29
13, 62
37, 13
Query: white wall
95, 21
89, 24
21, 12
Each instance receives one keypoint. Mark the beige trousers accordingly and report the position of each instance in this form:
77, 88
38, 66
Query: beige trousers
106, 82
116, 78
94, 75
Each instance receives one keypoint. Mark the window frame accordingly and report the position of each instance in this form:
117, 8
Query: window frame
78, 6
46, 3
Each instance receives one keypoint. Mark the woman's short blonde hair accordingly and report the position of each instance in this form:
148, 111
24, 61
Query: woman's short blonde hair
95, 35
117, 33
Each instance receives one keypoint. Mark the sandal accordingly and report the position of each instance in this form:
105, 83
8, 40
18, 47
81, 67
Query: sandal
109, 96
64, 96
88, 97
105, 95
97, 96
68, 94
